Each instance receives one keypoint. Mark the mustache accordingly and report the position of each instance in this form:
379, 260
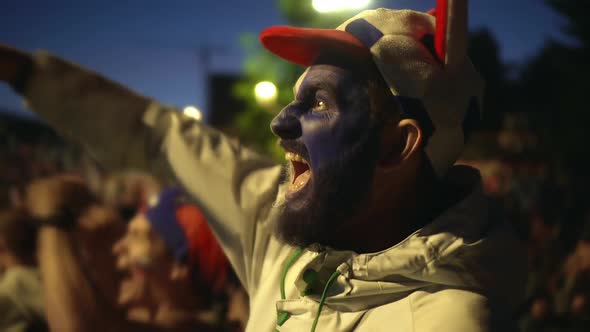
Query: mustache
295, 146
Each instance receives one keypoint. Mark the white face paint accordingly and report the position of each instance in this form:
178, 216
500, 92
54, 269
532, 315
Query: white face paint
299, 81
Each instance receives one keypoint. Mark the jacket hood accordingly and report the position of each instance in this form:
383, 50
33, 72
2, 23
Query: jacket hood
469, 246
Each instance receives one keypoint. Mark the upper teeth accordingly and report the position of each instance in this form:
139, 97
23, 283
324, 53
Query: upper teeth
295, 157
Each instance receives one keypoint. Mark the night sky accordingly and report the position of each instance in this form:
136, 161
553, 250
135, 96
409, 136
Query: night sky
153, 46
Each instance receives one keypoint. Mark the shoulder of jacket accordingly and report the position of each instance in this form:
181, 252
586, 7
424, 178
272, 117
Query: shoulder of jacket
450, 309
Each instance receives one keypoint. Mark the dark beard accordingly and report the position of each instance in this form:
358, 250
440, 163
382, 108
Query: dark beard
339, 192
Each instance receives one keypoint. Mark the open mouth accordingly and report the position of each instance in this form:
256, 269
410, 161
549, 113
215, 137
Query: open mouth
132, 287
301, 171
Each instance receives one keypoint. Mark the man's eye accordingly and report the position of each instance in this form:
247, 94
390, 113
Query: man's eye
319, 106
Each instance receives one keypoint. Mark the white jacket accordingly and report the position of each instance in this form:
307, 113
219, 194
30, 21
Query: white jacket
462, 272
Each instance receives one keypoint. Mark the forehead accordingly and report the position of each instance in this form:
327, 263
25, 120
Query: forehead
326, 76
139, 223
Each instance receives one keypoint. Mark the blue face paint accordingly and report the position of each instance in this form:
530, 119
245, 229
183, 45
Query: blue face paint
328, 126
328, 115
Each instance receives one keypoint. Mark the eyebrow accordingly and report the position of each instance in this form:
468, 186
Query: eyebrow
315, 85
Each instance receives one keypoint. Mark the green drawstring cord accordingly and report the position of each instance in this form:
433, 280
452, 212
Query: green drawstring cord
290, 262
283, 316
323, 298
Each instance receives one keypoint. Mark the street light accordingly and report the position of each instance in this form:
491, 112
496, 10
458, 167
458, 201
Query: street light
193, 112
265, 93
325, 6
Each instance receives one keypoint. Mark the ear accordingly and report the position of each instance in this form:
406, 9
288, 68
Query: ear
179, 272
400, 141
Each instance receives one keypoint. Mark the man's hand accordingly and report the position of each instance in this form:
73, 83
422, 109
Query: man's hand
48, 198
13, 64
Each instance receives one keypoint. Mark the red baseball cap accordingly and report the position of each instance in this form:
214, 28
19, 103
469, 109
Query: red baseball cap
302, 45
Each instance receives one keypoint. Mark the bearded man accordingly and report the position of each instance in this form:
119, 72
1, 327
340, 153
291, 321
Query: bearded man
372, 228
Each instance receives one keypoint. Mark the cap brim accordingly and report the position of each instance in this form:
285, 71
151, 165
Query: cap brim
303, 46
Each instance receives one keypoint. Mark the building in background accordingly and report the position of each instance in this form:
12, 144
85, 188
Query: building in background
224, 106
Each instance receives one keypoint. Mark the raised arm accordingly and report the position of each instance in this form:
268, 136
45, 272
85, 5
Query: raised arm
234, 186
74, 299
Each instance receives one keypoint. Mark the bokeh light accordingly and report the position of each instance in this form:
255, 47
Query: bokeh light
265, 92
325, 6
193, 112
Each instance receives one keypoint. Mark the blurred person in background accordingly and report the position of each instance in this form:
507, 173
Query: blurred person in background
177, 271
21, 292
559, 285
238, 307
541, 217
172, 267
572, 298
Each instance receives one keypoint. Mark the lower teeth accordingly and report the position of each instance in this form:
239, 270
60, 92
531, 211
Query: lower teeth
300, 181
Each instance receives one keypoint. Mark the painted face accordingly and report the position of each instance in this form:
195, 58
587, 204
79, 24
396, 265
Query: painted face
331, 148
143, 255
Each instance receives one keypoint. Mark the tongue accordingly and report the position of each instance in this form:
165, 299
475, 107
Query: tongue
301, 180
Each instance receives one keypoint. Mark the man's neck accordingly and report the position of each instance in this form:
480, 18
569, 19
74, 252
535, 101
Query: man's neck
399, 213
393, 214
382, 228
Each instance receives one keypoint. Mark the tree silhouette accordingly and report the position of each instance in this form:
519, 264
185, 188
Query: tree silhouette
554, 83
578, 25
484, 52
553, 90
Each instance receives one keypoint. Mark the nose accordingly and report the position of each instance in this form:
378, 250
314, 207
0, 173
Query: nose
286, 125
118, 247
120, 251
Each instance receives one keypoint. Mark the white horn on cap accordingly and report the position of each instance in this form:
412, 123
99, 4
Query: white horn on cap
450, 38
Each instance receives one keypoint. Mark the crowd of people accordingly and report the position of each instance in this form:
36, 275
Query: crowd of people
537, 202
558, 246
138, 255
